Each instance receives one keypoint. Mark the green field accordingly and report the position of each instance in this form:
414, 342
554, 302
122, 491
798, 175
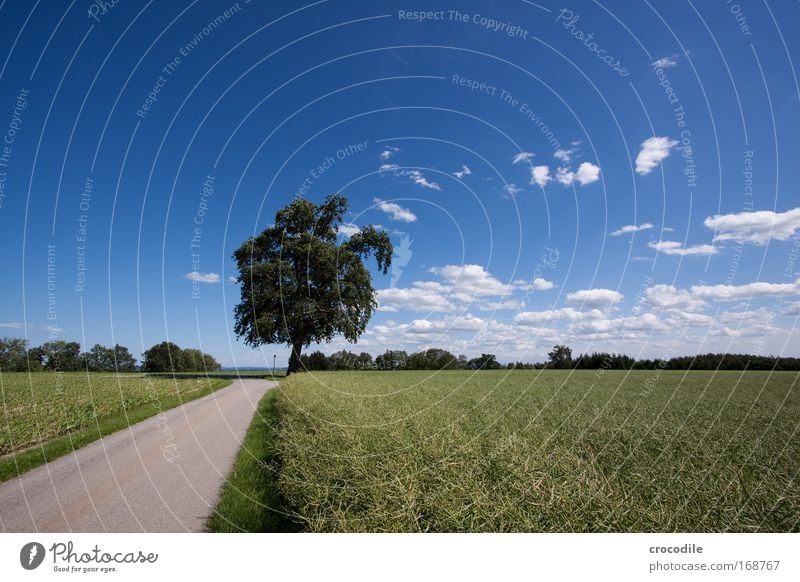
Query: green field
523, 451
46, 414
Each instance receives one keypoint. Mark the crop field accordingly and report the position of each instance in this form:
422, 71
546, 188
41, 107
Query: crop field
64, 411
538, 451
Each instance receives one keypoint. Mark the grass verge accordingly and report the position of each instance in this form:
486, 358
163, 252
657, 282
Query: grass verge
251, 500
16, 464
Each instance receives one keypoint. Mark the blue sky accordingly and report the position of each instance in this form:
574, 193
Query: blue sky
612, 175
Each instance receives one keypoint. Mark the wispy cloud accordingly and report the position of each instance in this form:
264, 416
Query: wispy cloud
395, 211
388, 152
512, 189
199, 277
671, 247
651, 152
522, 157
464, 171
632, 228
665, 62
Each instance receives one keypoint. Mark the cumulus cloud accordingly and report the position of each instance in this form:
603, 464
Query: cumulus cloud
532, 318
471, 281
540, 284
755, 227
395, 211
671, 247
746, 291
540, 175
199, 277
413, 299
632, 228
347, 229
586, 174
522, 157
669, 298
595, 297
665, 62
651, 152
464, 171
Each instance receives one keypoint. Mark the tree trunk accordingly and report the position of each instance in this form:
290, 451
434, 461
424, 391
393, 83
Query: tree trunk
294, 359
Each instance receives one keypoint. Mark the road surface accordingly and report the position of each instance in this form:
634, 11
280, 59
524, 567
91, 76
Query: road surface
163, 474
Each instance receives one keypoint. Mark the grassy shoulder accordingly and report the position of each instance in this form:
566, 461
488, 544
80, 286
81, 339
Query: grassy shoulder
99, 426
251, 500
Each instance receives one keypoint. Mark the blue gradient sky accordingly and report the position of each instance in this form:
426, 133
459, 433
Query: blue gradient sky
272, 97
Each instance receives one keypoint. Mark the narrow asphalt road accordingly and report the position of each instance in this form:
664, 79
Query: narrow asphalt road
163, 474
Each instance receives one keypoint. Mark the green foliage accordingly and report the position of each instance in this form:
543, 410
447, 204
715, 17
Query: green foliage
298, 286
15, 356
545, 450
484, 362
62, 356
560, 357
169, 357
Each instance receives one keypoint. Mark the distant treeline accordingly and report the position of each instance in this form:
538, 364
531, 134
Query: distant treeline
559, 358
63, 356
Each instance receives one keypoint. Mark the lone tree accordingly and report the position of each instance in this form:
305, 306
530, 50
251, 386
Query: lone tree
560, 357
299, 286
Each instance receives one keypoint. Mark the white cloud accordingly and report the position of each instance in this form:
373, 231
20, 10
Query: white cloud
395, 211
421, 180
632, 228
388, 152
19, 325
471, 281
512, 189
465, 171
413, 299
595, 297
665, 62
199, 277
669, 298
348, 229
671, 247
746, 291
565, 313
540, 175
522, 157
540, 284
755, 227
587, 173
564, 155
388, 167
232, 279
653, 150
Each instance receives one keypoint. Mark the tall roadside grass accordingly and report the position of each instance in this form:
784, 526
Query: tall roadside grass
571, 451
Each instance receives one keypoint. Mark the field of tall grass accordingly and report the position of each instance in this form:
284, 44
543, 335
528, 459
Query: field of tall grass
570, 451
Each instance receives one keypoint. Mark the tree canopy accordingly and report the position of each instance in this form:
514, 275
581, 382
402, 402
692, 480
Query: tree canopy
300, 286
